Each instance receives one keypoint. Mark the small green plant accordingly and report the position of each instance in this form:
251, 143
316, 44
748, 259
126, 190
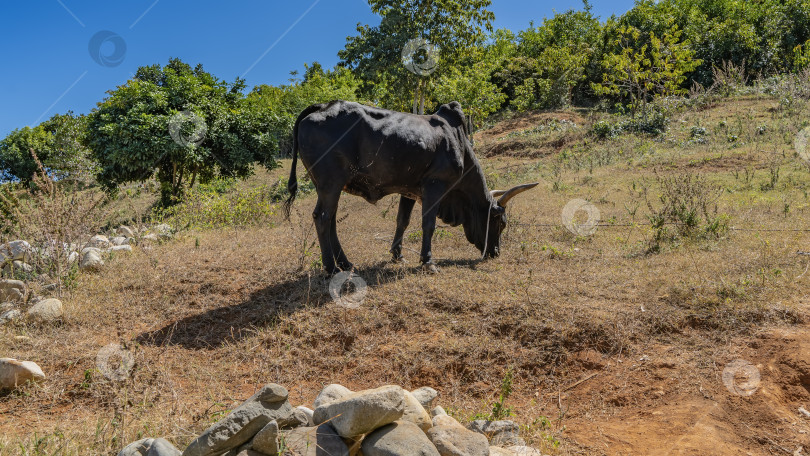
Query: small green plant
500, 410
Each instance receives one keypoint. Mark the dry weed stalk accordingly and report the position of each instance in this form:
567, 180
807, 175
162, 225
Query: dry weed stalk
55, 221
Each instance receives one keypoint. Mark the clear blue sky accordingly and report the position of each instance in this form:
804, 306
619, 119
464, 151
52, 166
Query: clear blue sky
47, 67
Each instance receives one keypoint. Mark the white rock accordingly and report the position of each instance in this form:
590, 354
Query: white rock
13, 291
73, 257
425, 395
14, 373
314, 441
16, 250
150, 447
119, 240
121, 248
244, 422
520, 450
46, 310
364, 411
19, 266
438, 410
91, 260
331, 393
308, 412
9, 315
266, 440
453, 439
415, 413
150, 237
398, 438
498, 451
99, 241
163, 230
125, 231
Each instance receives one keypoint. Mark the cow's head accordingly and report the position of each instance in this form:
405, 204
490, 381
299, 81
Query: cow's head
485, 217
485, 232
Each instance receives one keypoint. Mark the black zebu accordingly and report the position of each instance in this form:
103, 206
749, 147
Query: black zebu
373, 152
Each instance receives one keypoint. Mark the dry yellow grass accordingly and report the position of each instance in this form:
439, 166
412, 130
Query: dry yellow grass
214, 314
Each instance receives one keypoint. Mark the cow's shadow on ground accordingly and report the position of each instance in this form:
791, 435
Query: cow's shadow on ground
228, 324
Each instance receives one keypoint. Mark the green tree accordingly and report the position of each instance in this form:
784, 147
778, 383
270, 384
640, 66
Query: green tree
16, 160
643, 72
375, 54
281, 105
180, 123
69, 159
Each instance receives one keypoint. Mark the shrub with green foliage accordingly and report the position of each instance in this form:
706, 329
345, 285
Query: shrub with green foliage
129, 131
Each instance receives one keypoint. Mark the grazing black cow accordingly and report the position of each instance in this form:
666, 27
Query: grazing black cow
372, 152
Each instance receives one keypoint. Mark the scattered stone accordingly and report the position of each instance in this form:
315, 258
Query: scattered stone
266, 441
521, 450
163, 230
91, 260
425, 395
331, 393
313, 441
19, 266
125, 231
121, 248
150, 237
308, 412
99, 241
16, 250
398, 438
415, 413
47, 310
500, 433
73, 257
13, 291
453, 439
438, 410
269, 403
14, 373
498, 451
297, 419
9, 315
119, 240
364, 411
150, 447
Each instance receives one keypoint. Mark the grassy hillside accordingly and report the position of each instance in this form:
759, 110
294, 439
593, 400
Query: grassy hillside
616, 342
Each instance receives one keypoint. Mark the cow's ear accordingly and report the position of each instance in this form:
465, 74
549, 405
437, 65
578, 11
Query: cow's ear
452, 113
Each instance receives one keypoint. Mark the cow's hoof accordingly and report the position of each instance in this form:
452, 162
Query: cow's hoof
399, 260
430, 268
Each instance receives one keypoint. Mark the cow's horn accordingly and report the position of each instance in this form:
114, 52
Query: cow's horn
509, 194
496, 193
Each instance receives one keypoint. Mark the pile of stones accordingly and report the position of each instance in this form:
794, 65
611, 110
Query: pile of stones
386, 421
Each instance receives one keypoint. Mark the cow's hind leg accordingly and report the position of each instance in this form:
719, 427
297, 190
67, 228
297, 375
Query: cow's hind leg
324, 216
403, 219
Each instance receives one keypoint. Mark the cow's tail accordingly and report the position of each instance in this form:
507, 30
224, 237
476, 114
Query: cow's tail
292, 183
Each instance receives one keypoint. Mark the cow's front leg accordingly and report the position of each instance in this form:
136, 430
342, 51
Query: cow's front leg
403, 219
431, 197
